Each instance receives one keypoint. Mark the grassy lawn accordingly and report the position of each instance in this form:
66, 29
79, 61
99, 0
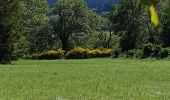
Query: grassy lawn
92, 79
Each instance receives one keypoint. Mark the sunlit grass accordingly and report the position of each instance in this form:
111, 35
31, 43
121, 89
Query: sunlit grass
94, 79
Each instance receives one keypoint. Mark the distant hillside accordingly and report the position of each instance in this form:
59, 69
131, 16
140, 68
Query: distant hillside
97, 5
52, 2
101, 5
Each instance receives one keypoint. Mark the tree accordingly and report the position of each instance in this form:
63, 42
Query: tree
10, 11
149, 2
106, 33
165, 34
34, 20
129, 21
44, 39
99, 37
155, 32
73, 17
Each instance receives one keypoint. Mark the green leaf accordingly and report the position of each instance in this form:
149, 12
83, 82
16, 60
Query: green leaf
168, 12
146, 2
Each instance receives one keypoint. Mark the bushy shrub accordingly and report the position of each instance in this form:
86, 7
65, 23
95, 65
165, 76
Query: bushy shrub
156, 51
49, 55
147, 50
100, 53
116, 53
106, 52
139, 53
95, 53
164, 53
130, 53
82, 53
136, 53
14, 57
78, 53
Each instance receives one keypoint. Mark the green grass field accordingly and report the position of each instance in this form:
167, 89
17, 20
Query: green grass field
92, 79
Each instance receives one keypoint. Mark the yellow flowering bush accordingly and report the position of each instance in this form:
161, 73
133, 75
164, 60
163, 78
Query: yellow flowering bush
82, 53
50, 55
106, 52
95, 53
100, 53
78, 53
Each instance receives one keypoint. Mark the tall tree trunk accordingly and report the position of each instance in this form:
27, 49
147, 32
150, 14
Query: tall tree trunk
65, 44
5, 49
109, 41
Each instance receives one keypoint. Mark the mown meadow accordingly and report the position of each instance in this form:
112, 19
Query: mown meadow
88, 79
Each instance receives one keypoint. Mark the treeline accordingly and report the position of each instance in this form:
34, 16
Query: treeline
30, 26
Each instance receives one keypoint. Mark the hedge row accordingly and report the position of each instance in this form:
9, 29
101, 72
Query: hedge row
81, 53
76, 53
148, 50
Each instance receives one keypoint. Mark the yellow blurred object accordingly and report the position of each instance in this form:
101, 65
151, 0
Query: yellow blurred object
154, 15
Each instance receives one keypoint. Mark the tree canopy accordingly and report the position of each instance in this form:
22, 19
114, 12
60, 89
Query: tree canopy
30, 27
149, 2
73, 17
10, 12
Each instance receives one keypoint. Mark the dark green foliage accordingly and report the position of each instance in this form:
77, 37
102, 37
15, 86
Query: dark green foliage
156, 50
165, 34
73, 17
130, 53
136, 53
128, 18
127, 43
43, 40
164, 53
35, 25
10, 12
116, 53
13, 57
5, 45
147, 50
148, 2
